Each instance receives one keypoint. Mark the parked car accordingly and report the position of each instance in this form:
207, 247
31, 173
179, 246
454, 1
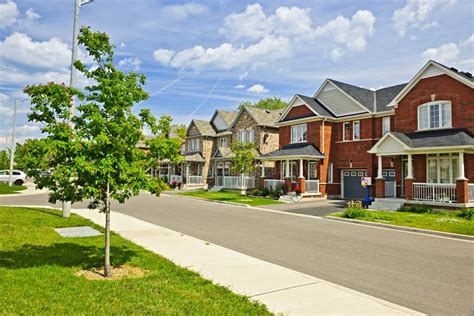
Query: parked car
19, 177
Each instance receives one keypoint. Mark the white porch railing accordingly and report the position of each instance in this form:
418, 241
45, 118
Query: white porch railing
390, 188
175, 178
194, 180
434, 192
470, 192
235, 182
312, 186
272, 183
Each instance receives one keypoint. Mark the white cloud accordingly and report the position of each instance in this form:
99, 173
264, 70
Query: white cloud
21, 49
163, 56
352, 33
240, 86
132, 62
8, 14
336, 54
415, 13
243, 76
32, 15
28, 129
182, 11
257, 88
445, 53
469, 41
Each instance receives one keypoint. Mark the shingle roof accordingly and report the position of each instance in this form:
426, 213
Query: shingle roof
436, 138
223, 152
193, 157
300, 149
385, 95
204, 127
264, 117
228, 116
466, 75
316, 105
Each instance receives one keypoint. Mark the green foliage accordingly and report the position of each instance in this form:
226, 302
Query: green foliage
417, 208
466, 213
244, 157
354, 210
6, 189
267, 104
4, 159
233, 197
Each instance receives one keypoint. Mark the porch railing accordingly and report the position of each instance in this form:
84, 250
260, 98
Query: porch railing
272, 183
434, 192
235, 182
194, 180
390, 188
312, 186
175, 178
470, 192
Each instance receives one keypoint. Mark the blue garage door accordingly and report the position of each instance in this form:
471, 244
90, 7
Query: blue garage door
351, 184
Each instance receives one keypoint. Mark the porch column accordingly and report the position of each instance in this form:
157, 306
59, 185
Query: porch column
187, 173
379, 181
287, 175
462, 193
301, 179
261, 181
409, 179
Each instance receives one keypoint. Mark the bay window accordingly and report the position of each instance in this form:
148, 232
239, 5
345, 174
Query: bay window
434, 115
298, 133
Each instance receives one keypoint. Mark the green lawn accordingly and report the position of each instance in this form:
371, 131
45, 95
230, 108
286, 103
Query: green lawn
448, 221
37, 269
6, 189
234, 197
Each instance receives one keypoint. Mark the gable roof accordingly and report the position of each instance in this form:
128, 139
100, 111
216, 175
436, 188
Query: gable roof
463, 77
262, 117
228, 116
204, 128
316, 106
223, 152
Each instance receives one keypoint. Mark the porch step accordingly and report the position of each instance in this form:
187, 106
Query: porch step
290, 198
387, 204
216, 188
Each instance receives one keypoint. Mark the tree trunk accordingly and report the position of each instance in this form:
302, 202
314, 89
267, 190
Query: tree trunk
107, 268
66, 206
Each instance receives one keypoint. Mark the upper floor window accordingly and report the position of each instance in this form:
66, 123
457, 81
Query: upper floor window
223, 142
250, 135
345, 131
385, 125
298, 133
193, 144
434, 115
355, 130
246, 135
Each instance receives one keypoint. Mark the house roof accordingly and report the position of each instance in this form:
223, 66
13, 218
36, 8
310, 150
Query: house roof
295, 150
385, 95
464, 74
223, 152
316, 105
204, 127
437, 138
193, 157
228, 116
263, 117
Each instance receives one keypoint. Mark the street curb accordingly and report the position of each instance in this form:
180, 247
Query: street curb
402, 228
207, 200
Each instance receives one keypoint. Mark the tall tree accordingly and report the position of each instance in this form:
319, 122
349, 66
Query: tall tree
267, 104
4, 159
105, 163
243, 160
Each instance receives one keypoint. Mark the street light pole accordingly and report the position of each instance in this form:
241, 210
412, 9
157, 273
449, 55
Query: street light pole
12, 148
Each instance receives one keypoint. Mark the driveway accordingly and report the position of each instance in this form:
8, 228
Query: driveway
429, 274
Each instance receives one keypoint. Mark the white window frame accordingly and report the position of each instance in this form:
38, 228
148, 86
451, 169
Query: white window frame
223, 142
345, 126
354, 124
438, 157
250, 135
312, 166
330, 172
440, 115
385, 125
298, 132
241, 136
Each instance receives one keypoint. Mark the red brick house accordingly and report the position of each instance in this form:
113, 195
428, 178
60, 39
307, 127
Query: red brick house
413, 140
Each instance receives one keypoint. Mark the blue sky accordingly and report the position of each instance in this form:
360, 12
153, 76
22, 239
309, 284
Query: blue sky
202, 55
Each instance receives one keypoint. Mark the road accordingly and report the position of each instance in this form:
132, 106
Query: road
430, 274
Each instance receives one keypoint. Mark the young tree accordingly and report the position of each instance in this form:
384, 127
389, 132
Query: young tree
105, 162
243, 160
267, 104
4, 159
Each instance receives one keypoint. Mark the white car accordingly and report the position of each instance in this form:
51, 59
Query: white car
19, 177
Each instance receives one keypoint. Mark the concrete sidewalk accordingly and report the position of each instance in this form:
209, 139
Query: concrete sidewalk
281, 289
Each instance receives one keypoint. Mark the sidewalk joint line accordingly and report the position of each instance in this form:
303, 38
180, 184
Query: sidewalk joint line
284, 289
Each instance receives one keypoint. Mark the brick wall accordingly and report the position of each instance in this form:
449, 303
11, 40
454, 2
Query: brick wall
299, 111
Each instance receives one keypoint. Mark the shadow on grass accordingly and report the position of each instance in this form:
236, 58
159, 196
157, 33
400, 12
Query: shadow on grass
62, 254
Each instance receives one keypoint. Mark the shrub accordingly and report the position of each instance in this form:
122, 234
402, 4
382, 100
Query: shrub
256, 192
418, 208
265, 192
467, 213
355, 210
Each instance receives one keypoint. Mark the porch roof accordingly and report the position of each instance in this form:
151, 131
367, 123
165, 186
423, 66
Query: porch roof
294, 151
426, 141
193, 157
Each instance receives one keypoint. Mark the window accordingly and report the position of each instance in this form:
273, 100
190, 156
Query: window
442, 168
434, 115
355, 130
241, 136
193, 145
223, 142
330, 172
250, 135
385, 125
312, 171
345, 131
292, 170
298, 133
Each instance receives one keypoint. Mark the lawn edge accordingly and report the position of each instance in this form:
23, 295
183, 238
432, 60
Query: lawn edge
402, 228
216, 201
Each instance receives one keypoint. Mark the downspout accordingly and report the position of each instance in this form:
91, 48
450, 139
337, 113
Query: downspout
322, 142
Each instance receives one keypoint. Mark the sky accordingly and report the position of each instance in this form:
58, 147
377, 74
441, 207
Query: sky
200, 56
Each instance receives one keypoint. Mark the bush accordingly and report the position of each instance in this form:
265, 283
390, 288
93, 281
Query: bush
256, 192
418, 208
355, 210
265, 192
467, 213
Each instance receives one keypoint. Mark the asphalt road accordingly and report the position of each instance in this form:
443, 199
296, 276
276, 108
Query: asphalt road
430, 274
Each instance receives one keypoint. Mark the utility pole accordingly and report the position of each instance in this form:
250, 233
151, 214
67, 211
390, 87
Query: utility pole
12, 148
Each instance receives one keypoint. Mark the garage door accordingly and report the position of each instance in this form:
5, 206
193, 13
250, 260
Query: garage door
351, 184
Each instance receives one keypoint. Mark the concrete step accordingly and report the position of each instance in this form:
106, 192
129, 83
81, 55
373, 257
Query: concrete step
290, 198
387, 204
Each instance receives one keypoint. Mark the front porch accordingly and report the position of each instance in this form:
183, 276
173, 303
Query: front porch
224, 177
434, 176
